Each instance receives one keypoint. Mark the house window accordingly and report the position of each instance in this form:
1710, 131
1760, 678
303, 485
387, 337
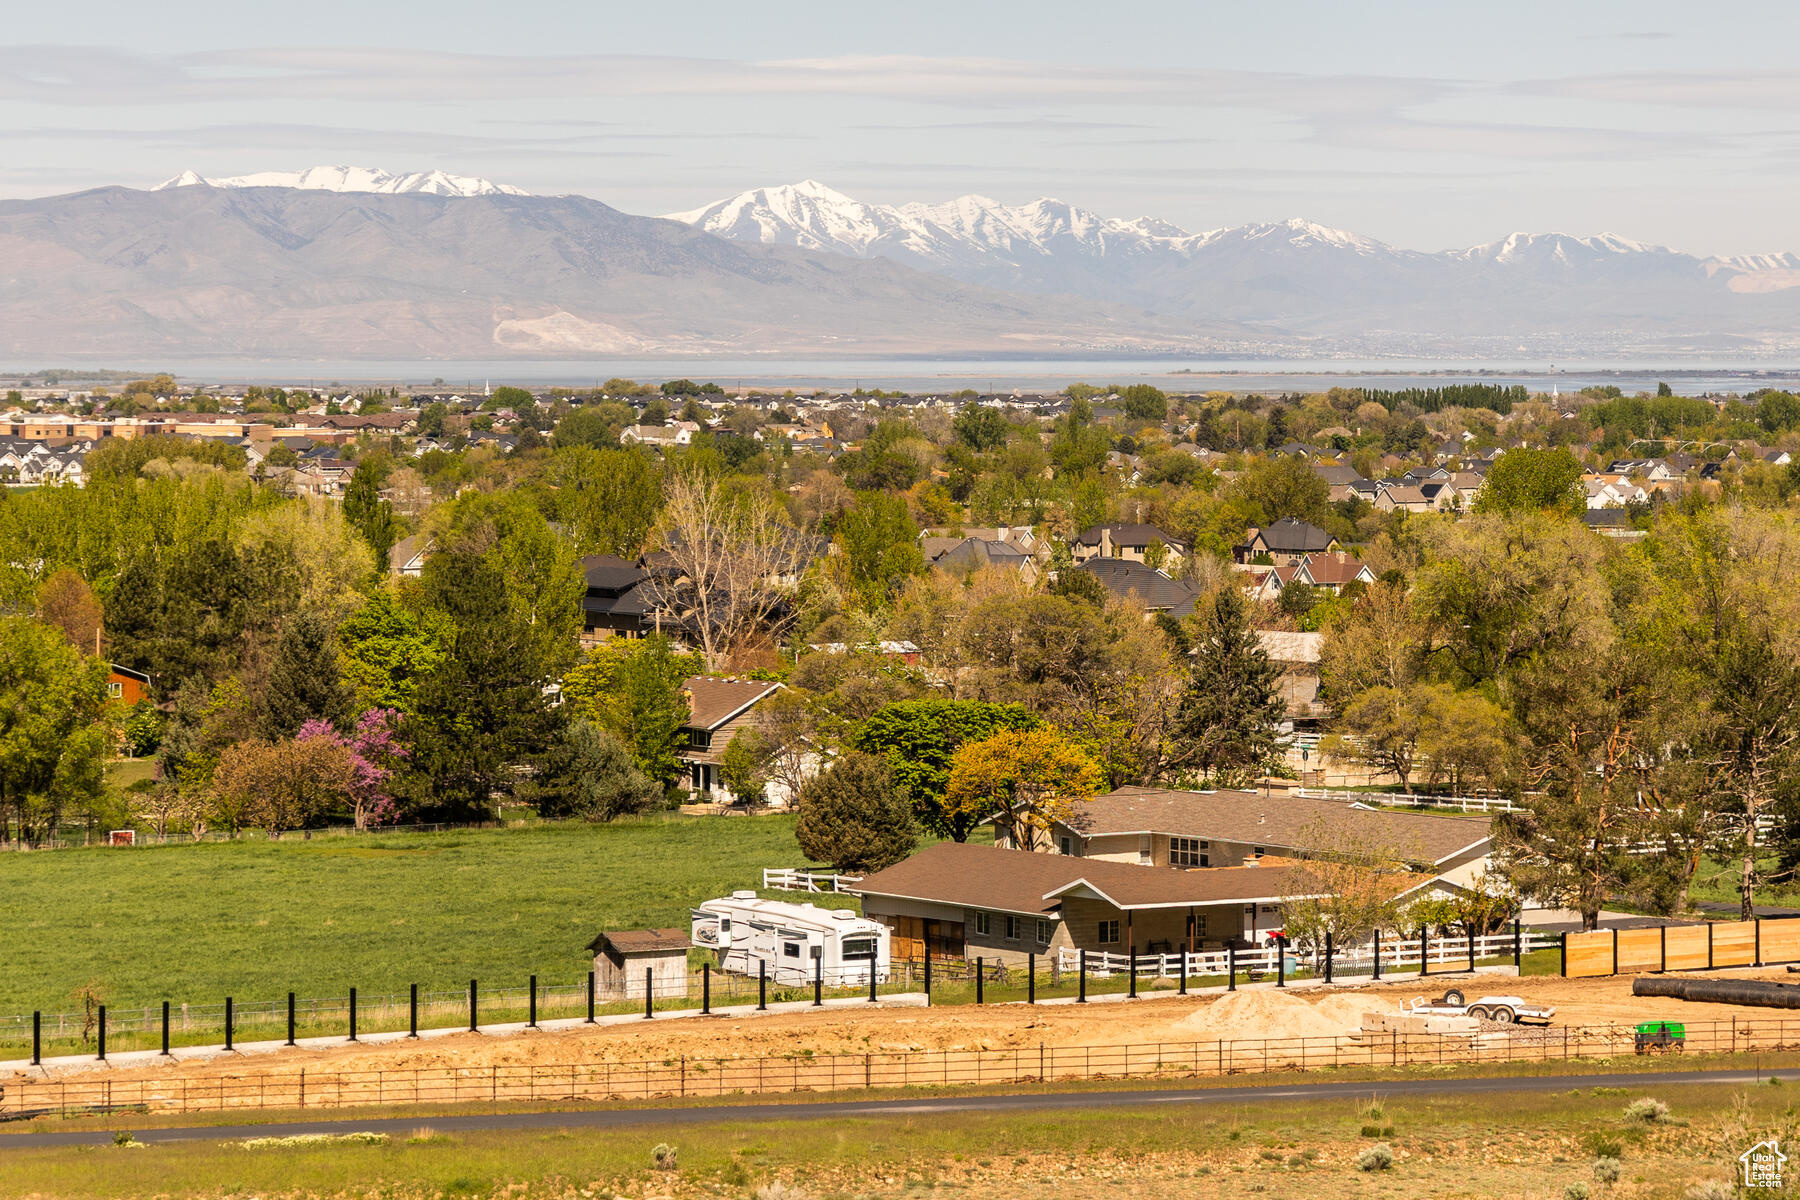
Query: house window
1257, 851
1184, 852
699, 739
115, 690
1012, 928
1200, 927
982, 924
1043, 932
1068, 845
1109, 933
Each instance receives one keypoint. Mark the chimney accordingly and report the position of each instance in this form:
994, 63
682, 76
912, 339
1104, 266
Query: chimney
1106, 542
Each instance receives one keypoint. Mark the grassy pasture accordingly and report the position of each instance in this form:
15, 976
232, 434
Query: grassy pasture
256, 919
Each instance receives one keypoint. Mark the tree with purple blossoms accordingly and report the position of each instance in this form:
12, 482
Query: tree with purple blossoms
373, 752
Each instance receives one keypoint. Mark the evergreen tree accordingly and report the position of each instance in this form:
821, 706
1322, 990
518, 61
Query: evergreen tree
854, 817
304, 684
483, 712
589, 774
1228, 724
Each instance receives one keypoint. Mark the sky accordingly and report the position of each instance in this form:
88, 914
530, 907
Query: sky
1428, 125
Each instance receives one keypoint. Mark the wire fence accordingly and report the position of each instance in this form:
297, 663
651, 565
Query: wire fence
67, 840
691, 1076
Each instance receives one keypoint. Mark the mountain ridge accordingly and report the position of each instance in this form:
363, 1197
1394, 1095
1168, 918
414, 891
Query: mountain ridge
372, 180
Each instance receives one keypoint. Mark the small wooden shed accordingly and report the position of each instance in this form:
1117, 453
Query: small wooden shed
622, 957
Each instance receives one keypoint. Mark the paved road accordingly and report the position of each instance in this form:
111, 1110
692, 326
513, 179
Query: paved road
624, 1118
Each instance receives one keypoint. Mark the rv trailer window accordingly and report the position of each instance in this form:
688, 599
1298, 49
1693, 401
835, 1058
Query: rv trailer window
859, 948
790, 949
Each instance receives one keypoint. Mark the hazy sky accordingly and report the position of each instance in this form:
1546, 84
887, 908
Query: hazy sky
1427, 124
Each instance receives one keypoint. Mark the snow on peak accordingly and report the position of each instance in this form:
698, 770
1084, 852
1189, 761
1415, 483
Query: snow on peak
352, 179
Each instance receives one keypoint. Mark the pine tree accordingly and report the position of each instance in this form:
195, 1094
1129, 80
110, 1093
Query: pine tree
304, 684
853, 817
1228, 724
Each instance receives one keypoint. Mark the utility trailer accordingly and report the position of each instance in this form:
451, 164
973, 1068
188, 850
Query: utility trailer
1507, 1010
787, 940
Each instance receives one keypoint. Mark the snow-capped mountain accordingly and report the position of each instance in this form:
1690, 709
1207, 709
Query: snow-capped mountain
1295, 273
352, 179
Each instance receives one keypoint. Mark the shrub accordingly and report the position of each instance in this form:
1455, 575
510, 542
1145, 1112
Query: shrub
777, 1190
1646, 1110
1378, 1157
1605, 1145
1607, 1169
301, 1141
1713, 1189
1577, 1191
663, 1157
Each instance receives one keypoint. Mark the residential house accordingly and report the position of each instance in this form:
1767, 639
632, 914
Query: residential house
126, 685
961, 900
1286, 542
1127, 541
1164, 827
717, 709
408, 555
1612, 523
961, 556
1333, 571
676, 433
1402, 498
1612, 491
1651, 470
1155, 590
618, 601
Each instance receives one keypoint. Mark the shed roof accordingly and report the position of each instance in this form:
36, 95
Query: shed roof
641, 941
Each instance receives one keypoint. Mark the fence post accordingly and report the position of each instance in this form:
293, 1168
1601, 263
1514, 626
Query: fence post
1184, 966
1424, 952
819, 979
1378, 954
103, 1033
228, 1022
1662, 938
353, 1014
762, 985
165, 1029
474, 1021
1280, 960
1133, 993
705, 992
1518, 962
980, 970
1710, 930
649, 992
1231, 966
412, 1012
531, 1010
1328, 956
1470, 929
1081, 971
872, 980
290, 1040
37, 1039
1756, 928
928, 975
1562, 953
1615, 949
1031, 979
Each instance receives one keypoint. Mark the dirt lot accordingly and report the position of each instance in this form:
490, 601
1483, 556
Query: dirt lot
1245, 1016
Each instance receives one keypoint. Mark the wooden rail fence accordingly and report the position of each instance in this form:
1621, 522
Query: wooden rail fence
1656, 948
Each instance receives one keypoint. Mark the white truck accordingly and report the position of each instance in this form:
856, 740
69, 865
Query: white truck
789, 939
1506, 1010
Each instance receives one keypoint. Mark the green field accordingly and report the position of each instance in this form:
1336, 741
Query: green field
255, 919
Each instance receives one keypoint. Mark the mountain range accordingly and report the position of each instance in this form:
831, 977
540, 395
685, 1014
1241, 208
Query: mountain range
1295, 276
322, 273
347, 262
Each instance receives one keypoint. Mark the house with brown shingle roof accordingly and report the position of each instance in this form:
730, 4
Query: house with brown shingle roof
717, 710
971, 901
1165, 827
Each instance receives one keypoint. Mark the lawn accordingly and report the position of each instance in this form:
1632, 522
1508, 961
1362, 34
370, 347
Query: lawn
256, 919
1534, 1144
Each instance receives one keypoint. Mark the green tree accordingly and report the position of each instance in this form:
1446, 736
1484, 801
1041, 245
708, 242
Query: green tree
1025, 779
1142, 402
919, 738
483, 714
854, 817
608, 500
1525, 481
386, 649
743, 767
880, 545
1282, 486
431, 419
636, 691
1227, 726
372, 516
53, 730
543, 579
590, 774
515, 398
304, 683
980, 429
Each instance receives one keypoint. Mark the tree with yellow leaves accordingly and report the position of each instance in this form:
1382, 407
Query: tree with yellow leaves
1026, 779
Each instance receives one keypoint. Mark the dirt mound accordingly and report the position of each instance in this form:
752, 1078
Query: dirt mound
1257, 1015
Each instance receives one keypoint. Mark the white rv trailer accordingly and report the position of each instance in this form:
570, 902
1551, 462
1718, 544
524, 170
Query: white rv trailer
790, 938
